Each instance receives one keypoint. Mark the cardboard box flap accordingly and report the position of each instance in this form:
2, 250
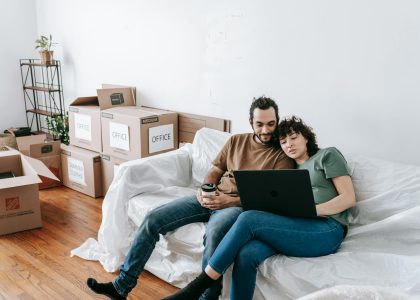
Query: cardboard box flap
79, 152
40, 168
118, 96
113, 86
92, 100
46, 149
19, 181
24, 143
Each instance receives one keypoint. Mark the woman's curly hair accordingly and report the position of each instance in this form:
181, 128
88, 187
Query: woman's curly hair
294, 124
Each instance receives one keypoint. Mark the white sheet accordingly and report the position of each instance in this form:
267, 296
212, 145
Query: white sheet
382, 249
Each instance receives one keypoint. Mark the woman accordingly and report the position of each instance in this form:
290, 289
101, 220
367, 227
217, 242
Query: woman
257, 235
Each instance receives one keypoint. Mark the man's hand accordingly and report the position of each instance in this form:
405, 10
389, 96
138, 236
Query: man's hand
219, 201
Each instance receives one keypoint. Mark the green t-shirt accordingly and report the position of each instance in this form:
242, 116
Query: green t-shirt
323, 166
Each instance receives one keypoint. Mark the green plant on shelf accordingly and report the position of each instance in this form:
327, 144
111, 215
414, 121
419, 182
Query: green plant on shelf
58, 125
44, 43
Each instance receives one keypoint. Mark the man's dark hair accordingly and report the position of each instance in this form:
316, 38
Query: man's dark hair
263, 103
294, 124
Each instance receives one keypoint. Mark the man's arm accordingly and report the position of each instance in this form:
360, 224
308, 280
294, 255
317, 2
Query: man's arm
213, 175
221, 200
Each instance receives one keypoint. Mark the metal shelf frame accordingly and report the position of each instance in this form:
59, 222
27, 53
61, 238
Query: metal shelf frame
42, 91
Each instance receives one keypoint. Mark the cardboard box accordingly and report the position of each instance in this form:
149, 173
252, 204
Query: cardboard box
19, 196
85, 114
132, 133
48, 152
110, 167
82, 170
113, 95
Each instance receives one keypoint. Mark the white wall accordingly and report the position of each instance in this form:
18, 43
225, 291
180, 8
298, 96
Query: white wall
351, 69
18, 33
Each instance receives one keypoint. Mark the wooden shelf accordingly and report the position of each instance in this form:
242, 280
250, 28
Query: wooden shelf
39, 64
40, 112
43, 89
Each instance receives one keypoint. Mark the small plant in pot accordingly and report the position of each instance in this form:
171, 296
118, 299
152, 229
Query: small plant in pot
45, 45
58, 126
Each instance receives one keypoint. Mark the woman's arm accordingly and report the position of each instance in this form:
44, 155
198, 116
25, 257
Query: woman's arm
345, 199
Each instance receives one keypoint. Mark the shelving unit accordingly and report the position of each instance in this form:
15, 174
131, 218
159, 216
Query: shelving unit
42, 91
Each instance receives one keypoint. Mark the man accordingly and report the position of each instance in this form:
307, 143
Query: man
242, 151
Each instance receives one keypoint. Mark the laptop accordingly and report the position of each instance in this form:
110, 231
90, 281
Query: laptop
285, 192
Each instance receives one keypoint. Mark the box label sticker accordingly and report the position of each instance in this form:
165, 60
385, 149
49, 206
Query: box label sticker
12, 203
118, 136
76, 170
83, 126
149, 120
161, 138
107, 115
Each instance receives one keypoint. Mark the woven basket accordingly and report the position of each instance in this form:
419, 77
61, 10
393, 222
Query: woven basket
7, 139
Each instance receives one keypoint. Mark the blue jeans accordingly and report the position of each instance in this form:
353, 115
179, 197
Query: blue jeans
167, 218
257, 235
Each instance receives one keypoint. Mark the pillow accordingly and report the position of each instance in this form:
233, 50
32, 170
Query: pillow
206, 145
383, 188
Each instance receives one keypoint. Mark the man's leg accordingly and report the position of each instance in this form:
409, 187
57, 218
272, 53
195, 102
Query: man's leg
218, 225
161, 220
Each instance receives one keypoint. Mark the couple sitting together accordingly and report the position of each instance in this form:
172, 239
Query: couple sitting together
246, 239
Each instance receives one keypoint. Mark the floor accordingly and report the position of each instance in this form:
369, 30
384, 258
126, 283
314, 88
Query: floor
36, 264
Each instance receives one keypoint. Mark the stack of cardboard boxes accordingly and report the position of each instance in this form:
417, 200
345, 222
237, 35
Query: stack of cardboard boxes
108, 130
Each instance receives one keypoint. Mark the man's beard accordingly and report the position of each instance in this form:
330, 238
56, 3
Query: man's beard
268, 141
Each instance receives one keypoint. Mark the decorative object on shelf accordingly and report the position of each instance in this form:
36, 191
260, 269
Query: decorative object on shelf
45, 45
58, 125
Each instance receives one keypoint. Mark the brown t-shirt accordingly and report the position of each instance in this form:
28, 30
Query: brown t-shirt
242, 152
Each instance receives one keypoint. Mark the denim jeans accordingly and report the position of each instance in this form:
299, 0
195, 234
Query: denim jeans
167, 218
257, 235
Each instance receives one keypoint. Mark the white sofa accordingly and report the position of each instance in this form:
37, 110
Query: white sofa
380, 256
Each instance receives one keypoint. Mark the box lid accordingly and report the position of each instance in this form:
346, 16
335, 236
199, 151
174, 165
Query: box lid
135, 111
73, 150
91, 100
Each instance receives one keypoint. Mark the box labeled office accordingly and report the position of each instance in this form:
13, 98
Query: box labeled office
82, 170
19, 196
131, 133
85, 114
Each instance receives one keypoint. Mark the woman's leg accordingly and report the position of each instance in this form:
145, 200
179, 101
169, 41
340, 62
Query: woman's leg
290, 236
244, 274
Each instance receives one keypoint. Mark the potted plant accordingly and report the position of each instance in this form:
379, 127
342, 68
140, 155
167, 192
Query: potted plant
45, 45
58, 125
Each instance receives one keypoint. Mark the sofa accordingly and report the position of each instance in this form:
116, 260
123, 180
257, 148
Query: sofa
380, 255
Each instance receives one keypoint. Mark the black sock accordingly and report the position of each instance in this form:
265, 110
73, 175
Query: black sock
194, 289
106, 289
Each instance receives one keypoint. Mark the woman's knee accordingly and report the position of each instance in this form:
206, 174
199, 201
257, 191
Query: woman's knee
249, 217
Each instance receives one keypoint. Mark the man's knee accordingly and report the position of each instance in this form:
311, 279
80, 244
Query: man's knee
218, 226
152, 222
